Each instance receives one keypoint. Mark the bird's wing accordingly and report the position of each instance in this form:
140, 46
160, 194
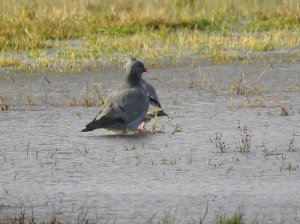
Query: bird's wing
127, 105
150, 91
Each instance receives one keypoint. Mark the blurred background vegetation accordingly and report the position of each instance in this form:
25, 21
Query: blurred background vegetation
150, 28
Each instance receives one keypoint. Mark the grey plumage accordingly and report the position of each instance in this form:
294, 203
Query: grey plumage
155, 109
150, 91
126, 107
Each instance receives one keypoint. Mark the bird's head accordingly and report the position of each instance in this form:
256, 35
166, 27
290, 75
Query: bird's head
134, 66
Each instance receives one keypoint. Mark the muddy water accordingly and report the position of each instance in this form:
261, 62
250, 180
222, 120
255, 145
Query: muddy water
48, 166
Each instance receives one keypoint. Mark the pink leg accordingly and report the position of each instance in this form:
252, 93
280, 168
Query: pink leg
141, 129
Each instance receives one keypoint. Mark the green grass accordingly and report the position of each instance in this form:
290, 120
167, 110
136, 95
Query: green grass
237, 218
150, 29
23, 218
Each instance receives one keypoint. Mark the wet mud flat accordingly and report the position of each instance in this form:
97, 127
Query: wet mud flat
231, 142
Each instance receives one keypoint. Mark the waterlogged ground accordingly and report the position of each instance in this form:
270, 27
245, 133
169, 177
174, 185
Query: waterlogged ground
48, 166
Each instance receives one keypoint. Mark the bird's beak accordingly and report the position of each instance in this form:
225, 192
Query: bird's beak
145, 70
124, 66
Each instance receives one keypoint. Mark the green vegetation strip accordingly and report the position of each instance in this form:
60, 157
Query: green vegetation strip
151, 29
24, 218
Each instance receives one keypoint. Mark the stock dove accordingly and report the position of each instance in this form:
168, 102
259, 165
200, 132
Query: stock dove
126, 107
155, 106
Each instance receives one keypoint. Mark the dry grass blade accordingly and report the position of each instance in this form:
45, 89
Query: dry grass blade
3, 103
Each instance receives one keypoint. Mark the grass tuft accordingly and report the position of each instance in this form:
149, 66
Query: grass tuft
4, 62
244, 144
94, 97
3, 103
237, 218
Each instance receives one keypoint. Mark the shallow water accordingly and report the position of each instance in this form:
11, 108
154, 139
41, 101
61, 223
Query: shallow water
49, 166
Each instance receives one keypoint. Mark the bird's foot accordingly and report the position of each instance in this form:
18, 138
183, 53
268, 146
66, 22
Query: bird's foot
142, 126
143, 131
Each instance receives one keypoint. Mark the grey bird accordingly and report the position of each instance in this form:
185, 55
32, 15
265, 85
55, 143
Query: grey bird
127, 106
155, 107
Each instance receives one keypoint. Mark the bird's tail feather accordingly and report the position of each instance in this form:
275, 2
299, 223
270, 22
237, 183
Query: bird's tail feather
86, 129
103, 122
161, 113
90, 126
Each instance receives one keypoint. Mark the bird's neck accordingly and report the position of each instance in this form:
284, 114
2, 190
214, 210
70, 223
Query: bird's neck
132, 79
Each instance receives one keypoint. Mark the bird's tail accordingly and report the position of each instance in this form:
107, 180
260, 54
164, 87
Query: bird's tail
161, 113
86, 129
90, 126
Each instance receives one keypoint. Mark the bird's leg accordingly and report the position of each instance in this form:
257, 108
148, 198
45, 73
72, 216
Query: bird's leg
141, 129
